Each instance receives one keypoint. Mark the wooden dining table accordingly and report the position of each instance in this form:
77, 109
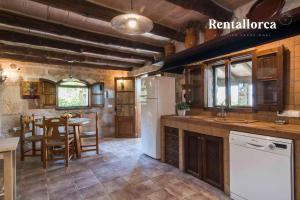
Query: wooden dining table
76, 123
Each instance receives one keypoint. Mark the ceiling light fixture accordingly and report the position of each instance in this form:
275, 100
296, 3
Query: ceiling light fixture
131, 23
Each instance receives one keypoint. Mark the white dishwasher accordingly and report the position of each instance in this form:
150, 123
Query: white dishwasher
261, 167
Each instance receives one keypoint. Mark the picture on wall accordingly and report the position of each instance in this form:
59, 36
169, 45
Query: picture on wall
30, 89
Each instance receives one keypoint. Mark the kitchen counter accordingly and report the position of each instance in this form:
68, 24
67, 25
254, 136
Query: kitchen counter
213, 126
8, 148
290, 131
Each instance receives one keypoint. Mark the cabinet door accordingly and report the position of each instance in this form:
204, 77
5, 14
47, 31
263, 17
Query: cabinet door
172, 146
193, 154
268, 77
194, 90
212, 150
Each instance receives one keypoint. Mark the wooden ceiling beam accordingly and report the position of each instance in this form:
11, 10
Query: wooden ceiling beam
48, 27
9, 49
207, 7
103, 13
50, 43
35, 59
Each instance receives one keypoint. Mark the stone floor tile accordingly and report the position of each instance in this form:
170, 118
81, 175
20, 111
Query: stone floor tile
120, 172
161, 194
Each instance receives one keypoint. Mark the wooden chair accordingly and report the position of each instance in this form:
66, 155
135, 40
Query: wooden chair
56, 144
73, 128
90, 134
29, 138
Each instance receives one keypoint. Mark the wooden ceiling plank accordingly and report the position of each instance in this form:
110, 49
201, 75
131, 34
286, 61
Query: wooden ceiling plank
9, 49
207, 7
24, 58
103, 13
50, 43
51, 28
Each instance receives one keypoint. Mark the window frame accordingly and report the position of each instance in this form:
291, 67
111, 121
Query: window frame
73, 107
97, 94
226, 62
214, 84
229, 86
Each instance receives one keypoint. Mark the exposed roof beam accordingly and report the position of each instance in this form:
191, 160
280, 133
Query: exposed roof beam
49, 43
207, 7
102, 13
59, 56
57, 29
36, 59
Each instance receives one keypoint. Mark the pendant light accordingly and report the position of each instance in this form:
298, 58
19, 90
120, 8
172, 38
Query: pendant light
131, 23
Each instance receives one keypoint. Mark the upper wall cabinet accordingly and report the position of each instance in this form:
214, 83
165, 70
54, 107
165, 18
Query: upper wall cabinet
194, 86
268, 75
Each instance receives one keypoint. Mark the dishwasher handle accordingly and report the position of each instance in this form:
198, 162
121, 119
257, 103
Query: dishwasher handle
256, 146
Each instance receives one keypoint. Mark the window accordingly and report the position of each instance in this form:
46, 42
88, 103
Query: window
97, 94
232, 83
72, 93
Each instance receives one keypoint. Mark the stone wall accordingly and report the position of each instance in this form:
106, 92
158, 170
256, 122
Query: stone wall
12, 105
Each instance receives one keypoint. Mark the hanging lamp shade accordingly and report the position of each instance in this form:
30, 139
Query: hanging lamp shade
132, 24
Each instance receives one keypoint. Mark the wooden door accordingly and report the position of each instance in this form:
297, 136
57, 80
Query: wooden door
212, 150
125, 107
172, 146
193, 154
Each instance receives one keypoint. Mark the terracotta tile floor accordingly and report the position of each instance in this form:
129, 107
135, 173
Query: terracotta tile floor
120, 172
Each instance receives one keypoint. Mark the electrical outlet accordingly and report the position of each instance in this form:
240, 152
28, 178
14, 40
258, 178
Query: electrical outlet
289, 113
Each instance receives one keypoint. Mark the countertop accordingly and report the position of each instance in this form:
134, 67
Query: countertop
291, 131
8, 144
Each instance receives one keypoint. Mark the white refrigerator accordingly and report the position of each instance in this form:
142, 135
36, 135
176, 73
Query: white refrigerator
158, 98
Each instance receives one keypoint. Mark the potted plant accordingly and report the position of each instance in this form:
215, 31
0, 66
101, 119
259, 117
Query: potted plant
181, 108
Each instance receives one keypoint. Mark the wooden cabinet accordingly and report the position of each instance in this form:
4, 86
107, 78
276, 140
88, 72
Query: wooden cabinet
172, 146
204, 158
194, 90
268, 74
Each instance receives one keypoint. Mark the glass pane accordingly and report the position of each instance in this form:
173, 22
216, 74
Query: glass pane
124, 85
266, 92
195, 80
125, 110
241, 84
97, 88
97, 99
220, 91
267, 66
125, 98
73, 97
